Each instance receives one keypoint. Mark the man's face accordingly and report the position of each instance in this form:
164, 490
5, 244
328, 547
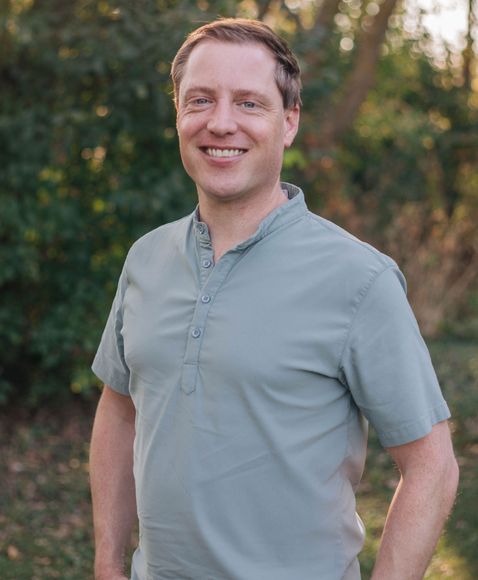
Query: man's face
231, 121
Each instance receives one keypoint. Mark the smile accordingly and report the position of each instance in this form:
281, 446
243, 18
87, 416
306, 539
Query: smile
224, 152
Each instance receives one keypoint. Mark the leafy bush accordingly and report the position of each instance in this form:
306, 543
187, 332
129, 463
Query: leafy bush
89, 162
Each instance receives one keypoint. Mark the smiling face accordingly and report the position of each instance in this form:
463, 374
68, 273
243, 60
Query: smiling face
231, 122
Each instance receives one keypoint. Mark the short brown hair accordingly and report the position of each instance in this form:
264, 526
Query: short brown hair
240, 31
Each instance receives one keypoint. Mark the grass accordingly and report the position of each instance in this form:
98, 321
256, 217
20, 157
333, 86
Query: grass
456, 557
45, 520
45, 523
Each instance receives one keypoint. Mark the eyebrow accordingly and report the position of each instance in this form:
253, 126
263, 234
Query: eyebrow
198, 89
244, 93
240, 93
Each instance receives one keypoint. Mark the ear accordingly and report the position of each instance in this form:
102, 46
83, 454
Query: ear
291, 123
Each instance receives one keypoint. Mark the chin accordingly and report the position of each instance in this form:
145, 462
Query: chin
223, 193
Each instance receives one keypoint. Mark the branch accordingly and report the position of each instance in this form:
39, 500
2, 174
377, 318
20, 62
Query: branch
291, 14
468, 51
263, 9
325, 18
342, 116
321, 31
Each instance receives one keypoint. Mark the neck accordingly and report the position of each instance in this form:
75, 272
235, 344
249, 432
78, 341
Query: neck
232, 221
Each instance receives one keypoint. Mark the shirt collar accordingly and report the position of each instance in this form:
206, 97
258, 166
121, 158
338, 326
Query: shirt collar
286, 213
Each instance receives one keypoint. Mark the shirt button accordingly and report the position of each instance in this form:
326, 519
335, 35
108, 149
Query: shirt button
196, 332
206, 263
205, 299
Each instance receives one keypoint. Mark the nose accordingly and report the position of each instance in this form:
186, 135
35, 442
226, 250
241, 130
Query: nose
222, 121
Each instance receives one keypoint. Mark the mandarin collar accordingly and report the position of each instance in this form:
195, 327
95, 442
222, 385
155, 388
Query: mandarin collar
286, 213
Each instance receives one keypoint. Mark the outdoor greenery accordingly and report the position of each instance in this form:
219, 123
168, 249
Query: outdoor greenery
89, 161
45, 519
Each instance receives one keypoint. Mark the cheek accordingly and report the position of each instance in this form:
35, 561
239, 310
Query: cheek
183, 131
189, 122
186, 126
186, 141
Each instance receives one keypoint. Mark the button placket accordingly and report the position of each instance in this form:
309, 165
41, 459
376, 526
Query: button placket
211, 277
198, 323
206, 265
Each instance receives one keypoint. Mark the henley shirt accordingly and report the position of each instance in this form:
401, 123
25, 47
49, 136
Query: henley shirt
253, 380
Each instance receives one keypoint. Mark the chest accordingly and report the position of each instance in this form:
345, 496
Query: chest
259, 316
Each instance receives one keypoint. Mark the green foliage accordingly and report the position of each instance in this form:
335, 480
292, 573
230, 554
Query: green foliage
412, 152
456, 364
89, 159
89, 162
414, 136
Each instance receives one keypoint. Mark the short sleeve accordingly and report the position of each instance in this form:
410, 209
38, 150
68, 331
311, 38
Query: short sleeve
109, 364
387, 367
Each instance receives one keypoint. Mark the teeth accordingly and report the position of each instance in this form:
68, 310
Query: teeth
224, 152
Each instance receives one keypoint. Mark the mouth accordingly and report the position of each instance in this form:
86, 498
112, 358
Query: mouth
222, 153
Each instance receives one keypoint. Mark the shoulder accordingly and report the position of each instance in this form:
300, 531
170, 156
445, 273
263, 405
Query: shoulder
347, 258
161, 237
345, 243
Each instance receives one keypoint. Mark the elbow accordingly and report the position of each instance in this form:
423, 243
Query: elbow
452, 477
447, 480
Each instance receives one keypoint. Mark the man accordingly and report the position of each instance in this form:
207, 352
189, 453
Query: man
245, 345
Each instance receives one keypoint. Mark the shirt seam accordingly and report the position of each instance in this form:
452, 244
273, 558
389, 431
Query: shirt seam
341, 532
349, 237
105, 373
422, 422
363, 293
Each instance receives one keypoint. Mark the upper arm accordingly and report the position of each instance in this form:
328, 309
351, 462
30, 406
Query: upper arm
431, 453
387, 367
114, 404
109, 364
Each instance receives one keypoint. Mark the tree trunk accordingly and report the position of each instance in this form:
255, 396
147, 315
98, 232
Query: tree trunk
325, 18
468, 51
341, 116
263, 9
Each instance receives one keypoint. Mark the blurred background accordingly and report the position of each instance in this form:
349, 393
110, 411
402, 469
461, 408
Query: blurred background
89, 162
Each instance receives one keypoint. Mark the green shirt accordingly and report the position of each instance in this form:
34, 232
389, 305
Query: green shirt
252, 379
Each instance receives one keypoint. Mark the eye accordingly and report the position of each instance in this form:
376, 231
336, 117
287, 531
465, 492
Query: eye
197, 102
249, 105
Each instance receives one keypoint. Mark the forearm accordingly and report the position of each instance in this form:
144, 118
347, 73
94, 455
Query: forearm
112, 483
418, 511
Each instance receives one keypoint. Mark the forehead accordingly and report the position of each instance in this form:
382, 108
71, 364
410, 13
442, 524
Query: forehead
228, 64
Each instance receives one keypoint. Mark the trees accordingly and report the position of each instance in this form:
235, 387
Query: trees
411, 158
89, 157
89, 162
